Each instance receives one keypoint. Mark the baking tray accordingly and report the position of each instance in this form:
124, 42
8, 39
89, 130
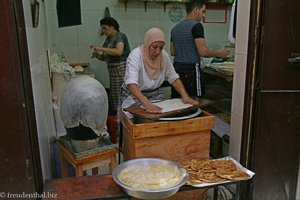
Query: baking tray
138, 111
238, 165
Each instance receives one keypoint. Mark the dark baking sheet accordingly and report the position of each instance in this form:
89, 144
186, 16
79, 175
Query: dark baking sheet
137, 111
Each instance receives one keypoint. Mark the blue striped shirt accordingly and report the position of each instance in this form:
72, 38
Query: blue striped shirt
183, 37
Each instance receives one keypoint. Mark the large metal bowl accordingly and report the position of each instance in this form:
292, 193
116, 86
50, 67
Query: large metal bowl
150, 194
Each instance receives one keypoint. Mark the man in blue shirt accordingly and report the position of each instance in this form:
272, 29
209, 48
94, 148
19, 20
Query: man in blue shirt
188, 46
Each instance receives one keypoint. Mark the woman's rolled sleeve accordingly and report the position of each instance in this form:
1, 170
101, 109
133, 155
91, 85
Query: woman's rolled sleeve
132, 69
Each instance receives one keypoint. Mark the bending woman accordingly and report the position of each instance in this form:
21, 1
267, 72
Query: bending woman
147, 67
115, 51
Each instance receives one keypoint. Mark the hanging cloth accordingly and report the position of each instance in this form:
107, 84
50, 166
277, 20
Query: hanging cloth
234, 20
232, 24
106, 12
68, 12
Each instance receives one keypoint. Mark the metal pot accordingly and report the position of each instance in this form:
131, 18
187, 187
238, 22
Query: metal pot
150, 194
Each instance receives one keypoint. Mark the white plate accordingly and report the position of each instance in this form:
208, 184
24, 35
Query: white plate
181, 118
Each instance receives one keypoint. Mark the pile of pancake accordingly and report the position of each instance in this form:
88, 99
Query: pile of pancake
152, 177
213, 171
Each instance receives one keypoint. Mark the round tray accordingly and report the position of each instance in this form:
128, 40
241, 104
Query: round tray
198, 112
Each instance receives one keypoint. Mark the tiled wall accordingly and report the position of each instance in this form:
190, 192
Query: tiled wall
243, 13
239, 78
37, 46
74, 41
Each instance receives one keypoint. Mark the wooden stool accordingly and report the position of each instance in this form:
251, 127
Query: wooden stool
87, 162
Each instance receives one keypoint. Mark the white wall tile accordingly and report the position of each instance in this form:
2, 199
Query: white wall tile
221, 32
89, 32
70, 51
235, 136
37, 41
209, 33
134, 21
239, 79
93, 5
66, 35
242, 34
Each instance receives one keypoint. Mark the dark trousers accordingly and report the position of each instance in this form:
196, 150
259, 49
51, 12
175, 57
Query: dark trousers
192, 79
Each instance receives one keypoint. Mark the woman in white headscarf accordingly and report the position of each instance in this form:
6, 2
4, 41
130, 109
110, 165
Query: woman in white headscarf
147, 67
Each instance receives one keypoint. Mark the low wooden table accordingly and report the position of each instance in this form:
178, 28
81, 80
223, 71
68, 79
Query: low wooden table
97, 187
103, 187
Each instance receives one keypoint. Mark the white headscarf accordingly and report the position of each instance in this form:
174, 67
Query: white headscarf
153, 66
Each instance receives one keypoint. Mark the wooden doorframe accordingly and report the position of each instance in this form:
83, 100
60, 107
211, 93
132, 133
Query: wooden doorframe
20, 155
251, 79
251, 91
29, 102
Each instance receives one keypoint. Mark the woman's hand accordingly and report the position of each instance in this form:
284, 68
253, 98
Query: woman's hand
189, 100
148, 106
223, 53
95, 47
177, 84
95, 54
151, 108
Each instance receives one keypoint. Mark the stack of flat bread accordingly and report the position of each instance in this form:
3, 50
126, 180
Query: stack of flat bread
213, 171
152, 177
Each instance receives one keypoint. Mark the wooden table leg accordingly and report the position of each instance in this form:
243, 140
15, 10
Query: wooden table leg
64, 166
113, 163
79, 170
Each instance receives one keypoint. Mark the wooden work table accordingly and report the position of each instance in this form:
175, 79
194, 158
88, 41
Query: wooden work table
83, 187
103, 187
173, 140
99, 187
